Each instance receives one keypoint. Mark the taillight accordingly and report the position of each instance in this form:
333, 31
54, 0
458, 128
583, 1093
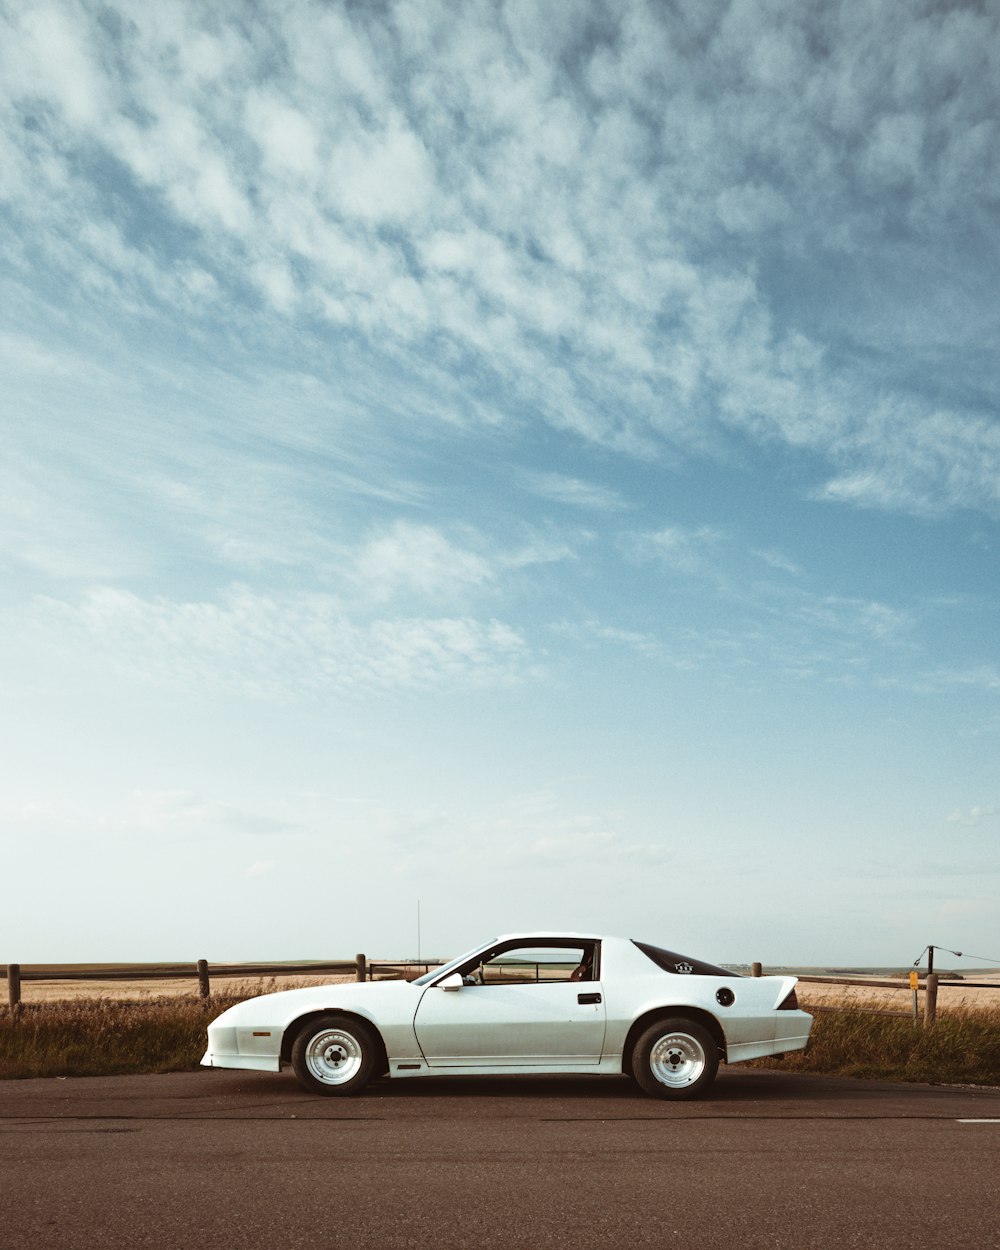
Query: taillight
789, 1002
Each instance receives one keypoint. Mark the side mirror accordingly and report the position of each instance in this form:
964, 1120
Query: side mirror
451, 982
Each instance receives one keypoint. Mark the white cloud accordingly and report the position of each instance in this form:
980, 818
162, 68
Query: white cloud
47, 524
894, 150
288, 139
542, 831
418, 559
972, 816
173, 813
926, 464
259, 868
683, 549
603, 193
154, 816
294, 300
51, 58
284, 648
591, 633
982, 677
560, 488
866, 618
777, 560
381, 176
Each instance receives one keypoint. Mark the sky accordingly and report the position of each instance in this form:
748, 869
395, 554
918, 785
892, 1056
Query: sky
524, 465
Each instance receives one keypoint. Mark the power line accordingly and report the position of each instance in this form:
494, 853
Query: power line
986, 959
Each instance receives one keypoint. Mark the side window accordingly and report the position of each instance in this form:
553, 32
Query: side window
534, 965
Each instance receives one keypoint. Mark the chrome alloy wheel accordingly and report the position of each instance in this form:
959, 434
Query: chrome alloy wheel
677, 1059
333, 1056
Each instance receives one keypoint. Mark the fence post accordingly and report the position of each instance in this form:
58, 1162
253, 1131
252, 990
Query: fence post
756, 970
14, 988
362, 966
204, 986
930, 1002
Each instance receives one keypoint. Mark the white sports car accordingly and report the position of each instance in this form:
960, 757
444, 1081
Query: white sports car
527, 1003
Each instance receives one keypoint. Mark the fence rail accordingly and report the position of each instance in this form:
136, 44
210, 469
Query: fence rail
364, 969
929, 986
201, 971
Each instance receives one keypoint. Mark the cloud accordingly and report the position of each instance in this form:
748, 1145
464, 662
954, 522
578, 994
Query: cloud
407, 561
658, 230
284, 648
147, 814
173, 813
559, 488
53, 58
765, 624
418, 559
983, 677
289, 141
972, 816
925, 463
47, 526
861, 617
259, 868
542, 829
777, 560
603, 849
680, 548
593, 633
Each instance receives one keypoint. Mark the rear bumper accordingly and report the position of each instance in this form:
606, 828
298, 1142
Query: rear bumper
791, 1033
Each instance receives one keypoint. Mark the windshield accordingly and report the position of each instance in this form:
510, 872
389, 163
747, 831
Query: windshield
434, 973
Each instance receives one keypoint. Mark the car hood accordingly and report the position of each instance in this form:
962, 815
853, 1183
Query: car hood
363, 997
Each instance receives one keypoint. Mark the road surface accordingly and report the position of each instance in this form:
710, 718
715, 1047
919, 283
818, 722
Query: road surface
248, 1161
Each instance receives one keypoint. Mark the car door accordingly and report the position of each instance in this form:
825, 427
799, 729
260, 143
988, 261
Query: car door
524, 1008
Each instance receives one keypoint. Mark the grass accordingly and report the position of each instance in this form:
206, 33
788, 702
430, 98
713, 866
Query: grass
108, 1037
960, 1048
103, 1037
114, 1037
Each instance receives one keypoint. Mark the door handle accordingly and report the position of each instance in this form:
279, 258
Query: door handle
584, 999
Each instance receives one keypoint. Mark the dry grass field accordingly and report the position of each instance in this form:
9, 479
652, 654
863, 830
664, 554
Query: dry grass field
37, 992
116, 1027
951, 998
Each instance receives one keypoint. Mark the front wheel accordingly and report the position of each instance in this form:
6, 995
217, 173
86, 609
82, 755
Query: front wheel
675, 1059
334, 1054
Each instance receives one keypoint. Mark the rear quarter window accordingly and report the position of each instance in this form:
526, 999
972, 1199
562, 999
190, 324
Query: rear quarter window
681, 965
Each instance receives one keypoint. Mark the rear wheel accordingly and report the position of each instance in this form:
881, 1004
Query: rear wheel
335, 1054
675, 1059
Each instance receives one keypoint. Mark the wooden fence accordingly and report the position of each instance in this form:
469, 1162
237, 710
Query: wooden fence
360, 968
364, 969
928, 986
915, 984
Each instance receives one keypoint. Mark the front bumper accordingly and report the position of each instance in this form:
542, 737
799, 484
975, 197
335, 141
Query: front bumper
255, 1063
253, 1049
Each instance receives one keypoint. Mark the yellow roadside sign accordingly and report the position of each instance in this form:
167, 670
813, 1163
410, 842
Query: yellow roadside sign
914, 980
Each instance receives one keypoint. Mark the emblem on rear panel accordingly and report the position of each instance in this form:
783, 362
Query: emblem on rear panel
683, 968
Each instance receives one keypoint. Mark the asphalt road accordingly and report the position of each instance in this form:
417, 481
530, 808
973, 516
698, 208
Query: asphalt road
248, 1161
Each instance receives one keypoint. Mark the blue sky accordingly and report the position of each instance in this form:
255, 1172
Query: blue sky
540, 460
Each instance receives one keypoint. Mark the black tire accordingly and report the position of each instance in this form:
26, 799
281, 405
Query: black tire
335, 1055
675, 1058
